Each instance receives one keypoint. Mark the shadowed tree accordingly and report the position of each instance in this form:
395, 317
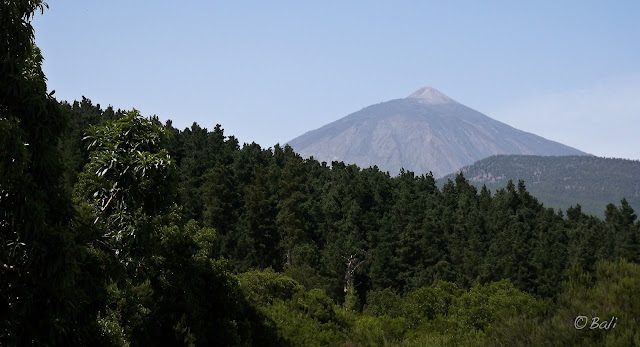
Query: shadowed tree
39, 302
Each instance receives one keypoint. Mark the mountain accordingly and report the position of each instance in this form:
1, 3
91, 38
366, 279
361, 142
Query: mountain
426, 131
562, 181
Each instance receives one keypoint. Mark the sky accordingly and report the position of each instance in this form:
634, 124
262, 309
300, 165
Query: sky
268, 72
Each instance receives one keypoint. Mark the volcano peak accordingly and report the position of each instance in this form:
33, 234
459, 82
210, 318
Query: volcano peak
430, 95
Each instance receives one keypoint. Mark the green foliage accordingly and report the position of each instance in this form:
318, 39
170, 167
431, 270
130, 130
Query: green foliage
351, 300
289, 217
185, 238
383, 302
611, 291
305, 274
607, 293
273, 210
264, 287
379, 331
427, 303
198, 299
562, 181
129, 178
443, 314
74, 154
309, 319
39, 301
128, 167
484, 306
159, 269
300, 317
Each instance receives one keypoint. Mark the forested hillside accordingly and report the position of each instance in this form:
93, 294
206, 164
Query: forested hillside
562, 181
117, 230
273, 209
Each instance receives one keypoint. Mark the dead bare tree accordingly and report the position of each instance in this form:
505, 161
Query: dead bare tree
353, 262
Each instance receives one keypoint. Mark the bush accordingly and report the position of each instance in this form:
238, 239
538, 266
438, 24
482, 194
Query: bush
427, 303
383, 302
484, 306
263, 287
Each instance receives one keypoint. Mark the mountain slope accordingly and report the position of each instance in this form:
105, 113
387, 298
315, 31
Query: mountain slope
563, 181
427, 131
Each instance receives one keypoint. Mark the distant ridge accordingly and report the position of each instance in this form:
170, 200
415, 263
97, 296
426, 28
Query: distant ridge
560, 182
426, 131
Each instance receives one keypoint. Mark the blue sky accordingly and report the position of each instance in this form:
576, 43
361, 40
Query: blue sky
270, 71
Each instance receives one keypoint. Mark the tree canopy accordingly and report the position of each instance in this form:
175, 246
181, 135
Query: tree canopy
118, 230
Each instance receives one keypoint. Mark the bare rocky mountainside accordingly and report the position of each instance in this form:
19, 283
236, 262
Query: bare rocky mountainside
426, 131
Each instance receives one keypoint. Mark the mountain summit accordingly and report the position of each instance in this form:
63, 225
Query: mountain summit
428, 95
426, 131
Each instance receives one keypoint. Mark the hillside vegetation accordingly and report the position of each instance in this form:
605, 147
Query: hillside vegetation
117, 230
562, 181
188, 233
